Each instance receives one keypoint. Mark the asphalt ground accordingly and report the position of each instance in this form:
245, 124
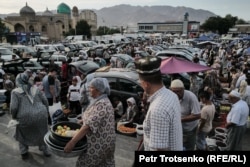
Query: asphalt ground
10, 157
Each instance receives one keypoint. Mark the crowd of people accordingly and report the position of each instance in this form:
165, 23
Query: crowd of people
174, 118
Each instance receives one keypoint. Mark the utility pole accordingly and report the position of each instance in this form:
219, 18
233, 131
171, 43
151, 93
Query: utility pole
103, 26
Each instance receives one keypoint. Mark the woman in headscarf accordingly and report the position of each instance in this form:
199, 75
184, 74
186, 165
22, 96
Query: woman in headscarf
30, 108
85, 97
131, 112
99, 128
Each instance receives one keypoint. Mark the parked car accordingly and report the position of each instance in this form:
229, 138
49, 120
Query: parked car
20, 65
124, 83
82, 67
32, 65
6, 54
20, 48
46, 58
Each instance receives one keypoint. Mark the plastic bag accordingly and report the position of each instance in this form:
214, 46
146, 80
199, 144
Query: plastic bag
12, 123
55, 112
84, 100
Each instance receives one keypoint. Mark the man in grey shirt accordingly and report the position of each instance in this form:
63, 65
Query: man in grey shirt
190, 113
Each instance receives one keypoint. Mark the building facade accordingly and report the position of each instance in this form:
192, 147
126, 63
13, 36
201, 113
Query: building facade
185, 27
29, 27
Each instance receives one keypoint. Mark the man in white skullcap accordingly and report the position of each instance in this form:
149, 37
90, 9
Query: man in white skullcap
190, 113
236, 121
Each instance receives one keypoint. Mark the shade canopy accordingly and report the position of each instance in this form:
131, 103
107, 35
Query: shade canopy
173, 65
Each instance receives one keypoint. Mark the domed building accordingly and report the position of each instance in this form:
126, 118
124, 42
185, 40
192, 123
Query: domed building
29, 27
47, 13
63, 9
27, 11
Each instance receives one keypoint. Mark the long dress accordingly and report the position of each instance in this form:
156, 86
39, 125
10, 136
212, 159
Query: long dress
101, 138
32, 117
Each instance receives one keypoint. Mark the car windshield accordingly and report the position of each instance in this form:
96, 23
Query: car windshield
5, 52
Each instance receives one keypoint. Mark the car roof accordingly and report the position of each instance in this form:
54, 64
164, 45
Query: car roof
118, 73
92, 66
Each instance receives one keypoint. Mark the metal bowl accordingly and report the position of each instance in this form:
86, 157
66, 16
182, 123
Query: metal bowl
55, 145
60, 152
63, 143
72, 126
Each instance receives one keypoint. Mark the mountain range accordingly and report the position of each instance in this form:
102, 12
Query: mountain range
127, 15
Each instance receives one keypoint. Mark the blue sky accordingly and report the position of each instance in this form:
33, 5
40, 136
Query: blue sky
238, 8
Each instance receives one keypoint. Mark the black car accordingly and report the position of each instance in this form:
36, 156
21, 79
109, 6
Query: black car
124, 83
20, 65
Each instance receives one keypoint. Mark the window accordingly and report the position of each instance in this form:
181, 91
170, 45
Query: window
112, 83
128, 86
44, 29
141, 27
148, 27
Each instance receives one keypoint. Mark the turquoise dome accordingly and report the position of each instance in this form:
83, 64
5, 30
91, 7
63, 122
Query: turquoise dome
63, 9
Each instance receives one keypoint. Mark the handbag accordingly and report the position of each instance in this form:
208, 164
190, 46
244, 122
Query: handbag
84, 100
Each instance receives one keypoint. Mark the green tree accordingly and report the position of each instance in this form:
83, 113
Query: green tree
219, 24
241, 21
70, 32
82, 28
104, 30
3, 30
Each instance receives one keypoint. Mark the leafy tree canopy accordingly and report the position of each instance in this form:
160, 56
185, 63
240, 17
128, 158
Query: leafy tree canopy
103, 30
3, 30
82, 28
221, 25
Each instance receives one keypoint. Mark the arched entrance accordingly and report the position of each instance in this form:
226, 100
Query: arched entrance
19, 28
31, 28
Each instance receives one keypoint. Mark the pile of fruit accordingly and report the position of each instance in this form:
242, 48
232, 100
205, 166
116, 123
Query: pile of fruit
65, 131
125, 129
225, 108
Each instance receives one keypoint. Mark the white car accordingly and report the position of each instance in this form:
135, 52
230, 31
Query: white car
6, 54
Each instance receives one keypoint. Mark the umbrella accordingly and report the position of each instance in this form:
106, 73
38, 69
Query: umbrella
173, 65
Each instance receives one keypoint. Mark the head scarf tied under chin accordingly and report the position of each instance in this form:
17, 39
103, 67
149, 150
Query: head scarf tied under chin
24, 85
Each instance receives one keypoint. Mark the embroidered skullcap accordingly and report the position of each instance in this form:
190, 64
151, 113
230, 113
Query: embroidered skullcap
148, 65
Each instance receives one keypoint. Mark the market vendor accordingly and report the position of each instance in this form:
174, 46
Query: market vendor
236, 121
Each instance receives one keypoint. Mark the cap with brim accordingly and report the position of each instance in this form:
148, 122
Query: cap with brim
148, 65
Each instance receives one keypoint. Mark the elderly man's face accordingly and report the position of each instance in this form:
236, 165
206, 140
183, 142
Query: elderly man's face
232, 99
178, 91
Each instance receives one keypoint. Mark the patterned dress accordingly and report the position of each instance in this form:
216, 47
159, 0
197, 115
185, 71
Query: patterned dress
101, 138
32, 117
